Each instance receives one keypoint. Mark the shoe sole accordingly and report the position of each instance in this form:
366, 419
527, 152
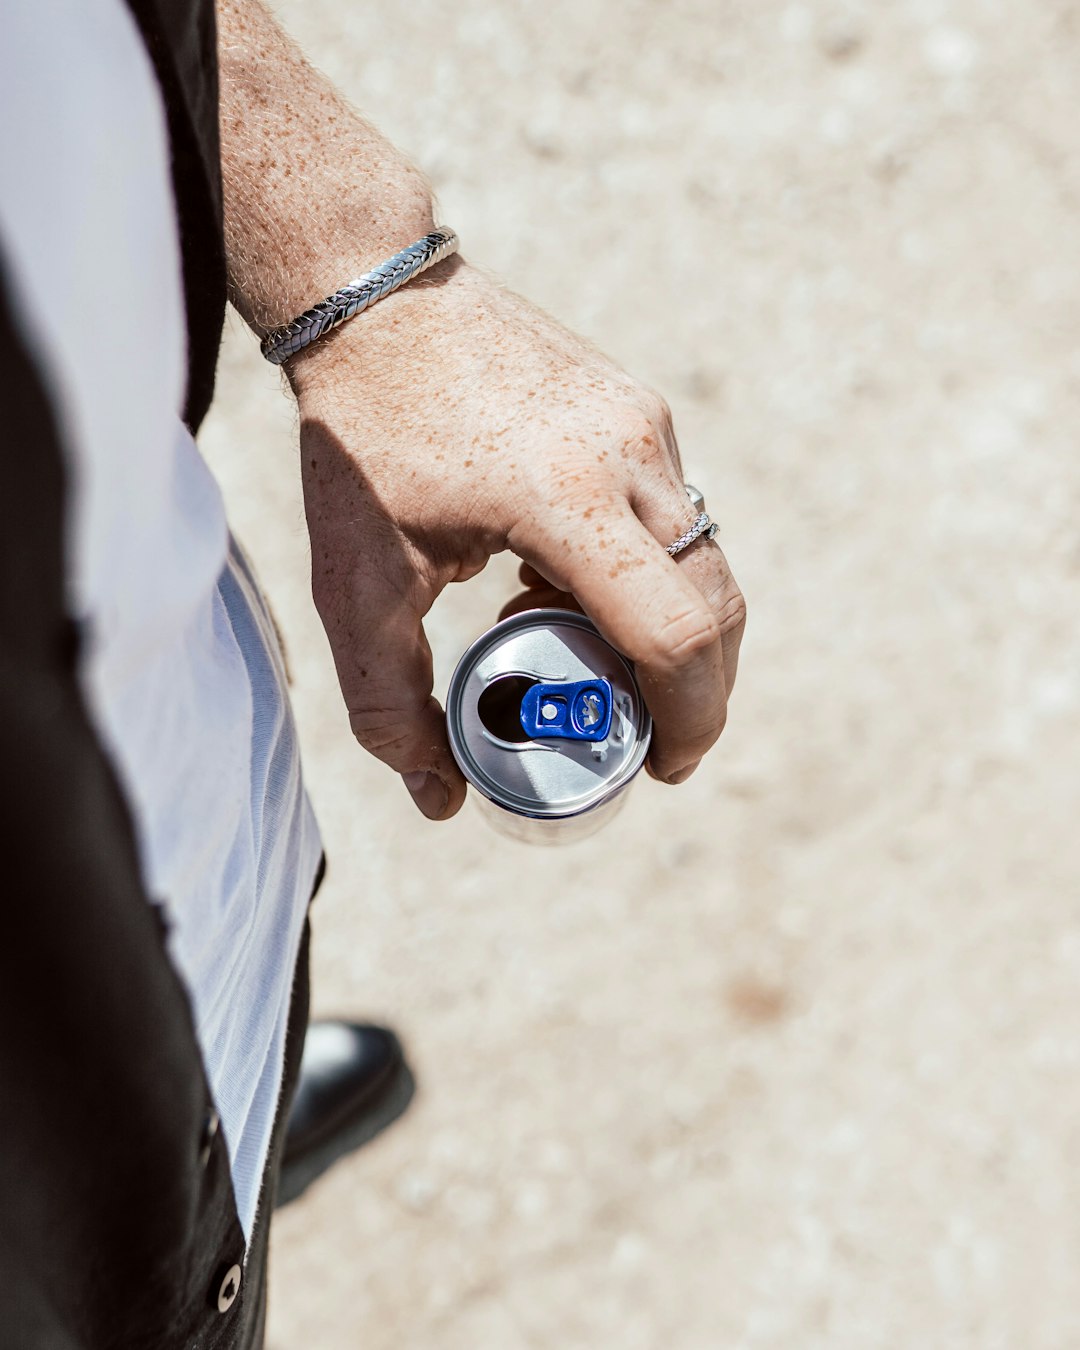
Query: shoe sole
297, 1176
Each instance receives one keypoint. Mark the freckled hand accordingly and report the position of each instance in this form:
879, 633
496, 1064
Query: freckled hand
514, 434
450, 421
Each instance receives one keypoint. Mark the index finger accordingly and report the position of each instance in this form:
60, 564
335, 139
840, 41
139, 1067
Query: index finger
649, 608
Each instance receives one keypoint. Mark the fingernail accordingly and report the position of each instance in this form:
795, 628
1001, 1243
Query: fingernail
683, 774
428, 791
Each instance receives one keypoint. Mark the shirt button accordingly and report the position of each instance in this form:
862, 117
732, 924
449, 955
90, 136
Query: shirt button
230, 1287
210, 1128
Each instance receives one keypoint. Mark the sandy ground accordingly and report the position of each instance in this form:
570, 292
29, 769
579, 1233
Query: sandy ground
790, 1057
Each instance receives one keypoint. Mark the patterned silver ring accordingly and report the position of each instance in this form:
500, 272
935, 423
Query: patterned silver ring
702, 528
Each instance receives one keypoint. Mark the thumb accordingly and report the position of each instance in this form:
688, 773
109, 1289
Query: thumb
407, 737
384, 668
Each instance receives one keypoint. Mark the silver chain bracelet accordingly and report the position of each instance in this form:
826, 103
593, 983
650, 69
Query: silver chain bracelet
352, 299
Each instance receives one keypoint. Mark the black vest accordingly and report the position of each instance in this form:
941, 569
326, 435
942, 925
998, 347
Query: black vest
181, 37
118, 1226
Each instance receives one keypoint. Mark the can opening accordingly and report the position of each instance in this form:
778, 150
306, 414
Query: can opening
499, 707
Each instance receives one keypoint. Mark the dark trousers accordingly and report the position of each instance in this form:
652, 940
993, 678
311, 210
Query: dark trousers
257, 1263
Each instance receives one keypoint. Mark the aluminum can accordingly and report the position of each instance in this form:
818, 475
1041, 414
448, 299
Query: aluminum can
547, 722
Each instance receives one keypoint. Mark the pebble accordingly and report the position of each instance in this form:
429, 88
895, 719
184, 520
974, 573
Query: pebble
841, 37
950, 51
531, 1200
416, 1191
630, 1252
470, 1205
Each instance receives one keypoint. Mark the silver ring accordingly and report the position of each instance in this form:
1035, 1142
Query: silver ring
702, 528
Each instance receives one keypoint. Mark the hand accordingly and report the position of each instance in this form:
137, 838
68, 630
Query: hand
454, 421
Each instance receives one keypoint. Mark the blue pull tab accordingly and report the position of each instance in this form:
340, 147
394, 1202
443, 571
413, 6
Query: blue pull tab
568, 712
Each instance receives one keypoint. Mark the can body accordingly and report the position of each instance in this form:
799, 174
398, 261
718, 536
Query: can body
547, 722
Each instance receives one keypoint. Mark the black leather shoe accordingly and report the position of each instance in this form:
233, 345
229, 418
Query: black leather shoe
353, 1083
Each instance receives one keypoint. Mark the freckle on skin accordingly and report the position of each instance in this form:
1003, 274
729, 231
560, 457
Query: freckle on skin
468, 463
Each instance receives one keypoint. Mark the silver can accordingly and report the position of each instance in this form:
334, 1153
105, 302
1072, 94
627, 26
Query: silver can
547, 722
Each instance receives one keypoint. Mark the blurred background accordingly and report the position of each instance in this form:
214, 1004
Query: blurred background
789, 1056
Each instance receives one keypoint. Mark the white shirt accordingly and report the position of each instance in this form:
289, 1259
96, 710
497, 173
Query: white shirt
182, 674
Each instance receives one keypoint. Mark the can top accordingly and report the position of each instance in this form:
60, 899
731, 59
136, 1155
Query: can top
545, 717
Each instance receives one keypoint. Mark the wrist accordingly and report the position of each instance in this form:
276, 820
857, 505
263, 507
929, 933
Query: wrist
313, 195
325, 249
390, 345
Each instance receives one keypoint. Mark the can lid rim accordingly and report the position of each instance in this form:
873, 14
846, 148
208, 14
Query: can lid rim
466, 761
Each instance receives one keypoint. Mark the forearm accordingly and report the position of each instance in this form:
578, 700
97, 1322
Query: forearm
314, 195
449, 423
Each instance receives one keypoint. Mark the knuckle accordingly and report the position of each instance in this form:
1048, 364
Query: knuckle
731, 613
646, 430
656, 409
644, 435
384, 732
682, 637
